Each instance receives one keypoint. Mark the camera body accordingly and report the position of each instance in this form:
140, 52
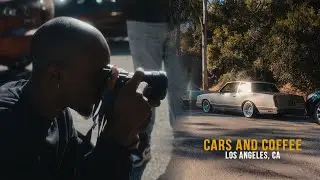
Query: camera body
156, 80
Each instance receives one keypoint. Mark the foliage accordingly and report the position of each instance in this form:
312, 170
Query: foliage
293, 48
269, 40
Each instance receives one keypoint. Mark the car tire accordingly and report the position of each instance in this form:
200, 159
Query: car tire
206, 106
316, 113
249, 110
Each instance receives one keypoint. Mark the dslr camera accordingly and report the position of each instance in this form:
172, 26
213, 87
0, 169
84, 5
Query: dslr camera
157, 90
157, 81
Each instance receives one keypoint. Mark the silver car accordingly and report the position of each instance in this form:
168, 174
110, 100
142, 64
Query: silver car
251, 98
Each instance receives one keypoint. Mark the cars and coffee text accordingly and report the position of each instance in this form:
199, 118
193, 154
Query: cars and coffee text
252, 148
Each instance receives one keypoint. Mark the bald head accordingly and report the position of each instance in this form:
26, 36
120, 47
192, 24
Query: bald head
61, 41
68, 60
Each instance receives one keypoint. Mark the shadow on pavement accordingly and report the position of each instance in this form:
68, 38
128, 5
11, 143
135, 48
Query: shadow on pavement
189, 147
287, 118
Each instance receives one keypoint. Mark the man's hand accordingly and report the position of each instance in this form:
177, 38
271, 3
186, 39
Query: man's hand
131, 112
112, 82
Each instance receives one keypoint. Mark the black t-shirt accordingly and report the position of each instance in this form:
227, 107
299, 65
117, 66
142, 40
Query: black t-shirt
32, 147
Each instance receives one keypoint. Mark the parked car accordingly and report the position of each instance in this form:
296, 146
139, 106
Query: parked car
313, 106
252, 98
19, 19
189, 98
105, 15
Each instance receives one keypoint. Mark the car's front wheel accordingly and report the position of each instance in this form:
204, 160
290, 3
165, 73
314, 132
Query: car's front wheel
249, 109
316, 113
206, 106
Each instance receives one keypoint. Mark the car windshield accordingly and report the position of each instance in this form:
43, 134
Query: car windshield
264, 87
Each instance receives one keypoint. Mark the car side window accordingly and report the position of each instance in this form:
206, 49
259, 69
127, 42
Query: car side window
244, 88
230, 88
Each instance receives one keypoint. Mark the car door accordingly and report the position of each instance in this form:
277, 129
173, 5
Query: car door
227, 95
244, 93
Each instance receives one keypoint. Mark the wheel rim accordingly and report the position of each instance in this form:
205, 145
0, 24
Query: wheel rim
318, 113
248, 110
206, 106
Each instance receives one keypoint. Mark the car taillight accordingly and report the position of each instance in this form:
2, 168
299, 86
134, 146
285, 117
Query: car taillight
276, 103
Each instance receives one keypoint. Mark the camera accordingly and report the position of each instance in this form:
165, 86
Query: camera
156, 80
157, 90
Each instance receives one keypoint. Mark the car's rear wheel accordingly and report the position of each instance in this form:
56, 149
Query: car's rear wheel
206, 106
316, 113
249, 110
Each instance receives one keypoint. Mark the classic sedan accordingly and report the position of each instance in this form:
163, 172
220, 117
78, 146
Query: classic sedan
313, 106
251, 98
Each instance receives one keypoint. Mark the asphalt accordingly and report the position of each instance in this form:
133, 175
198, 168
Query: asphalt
178, 151
189, 161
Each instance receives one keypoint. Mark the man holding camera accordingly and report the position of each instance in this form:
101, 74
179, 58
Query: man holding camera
148, 25
38, 139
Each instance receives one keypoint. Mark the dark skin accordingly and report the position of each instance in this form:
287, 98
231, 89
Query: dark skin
76, 86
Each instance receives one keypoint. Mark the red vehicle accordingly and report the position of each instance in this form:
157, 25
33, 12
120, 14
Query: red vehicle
19, 19
105, 15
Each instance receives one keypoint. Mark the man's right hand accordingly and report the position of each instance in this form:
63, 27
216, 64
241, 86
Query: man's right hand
131, 112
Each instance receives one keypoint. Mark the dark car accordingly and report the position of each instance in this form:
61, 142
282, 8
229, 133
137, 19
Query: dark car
19, 19
313, 106
105, 15
189, 98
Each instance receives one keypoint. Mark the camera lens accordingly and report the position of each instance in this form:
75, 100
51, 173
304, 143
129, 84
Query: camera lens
158, 81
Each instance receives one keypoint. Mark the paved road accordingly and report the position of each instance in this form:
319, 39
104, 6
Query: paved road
180, 155
190, 162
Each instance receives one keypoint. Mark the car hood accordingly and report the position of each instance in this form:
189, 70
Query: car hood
206, 93
18, 3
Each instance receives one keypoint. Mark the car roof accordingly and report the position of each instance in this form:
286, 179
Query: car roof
250, 82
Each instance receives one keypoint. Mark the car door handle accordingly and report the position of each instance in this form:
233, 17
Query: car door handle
234, 96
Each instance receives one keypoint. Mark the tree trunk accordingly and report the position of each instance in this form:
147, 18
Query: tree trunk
204, 47
178, 37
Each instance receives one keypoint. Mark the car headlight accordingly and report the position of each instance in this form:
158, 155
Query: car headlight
8, 11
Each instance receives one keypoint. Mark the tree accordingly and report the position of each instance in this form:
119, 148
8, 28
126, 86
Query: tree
293, 48
266, 40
